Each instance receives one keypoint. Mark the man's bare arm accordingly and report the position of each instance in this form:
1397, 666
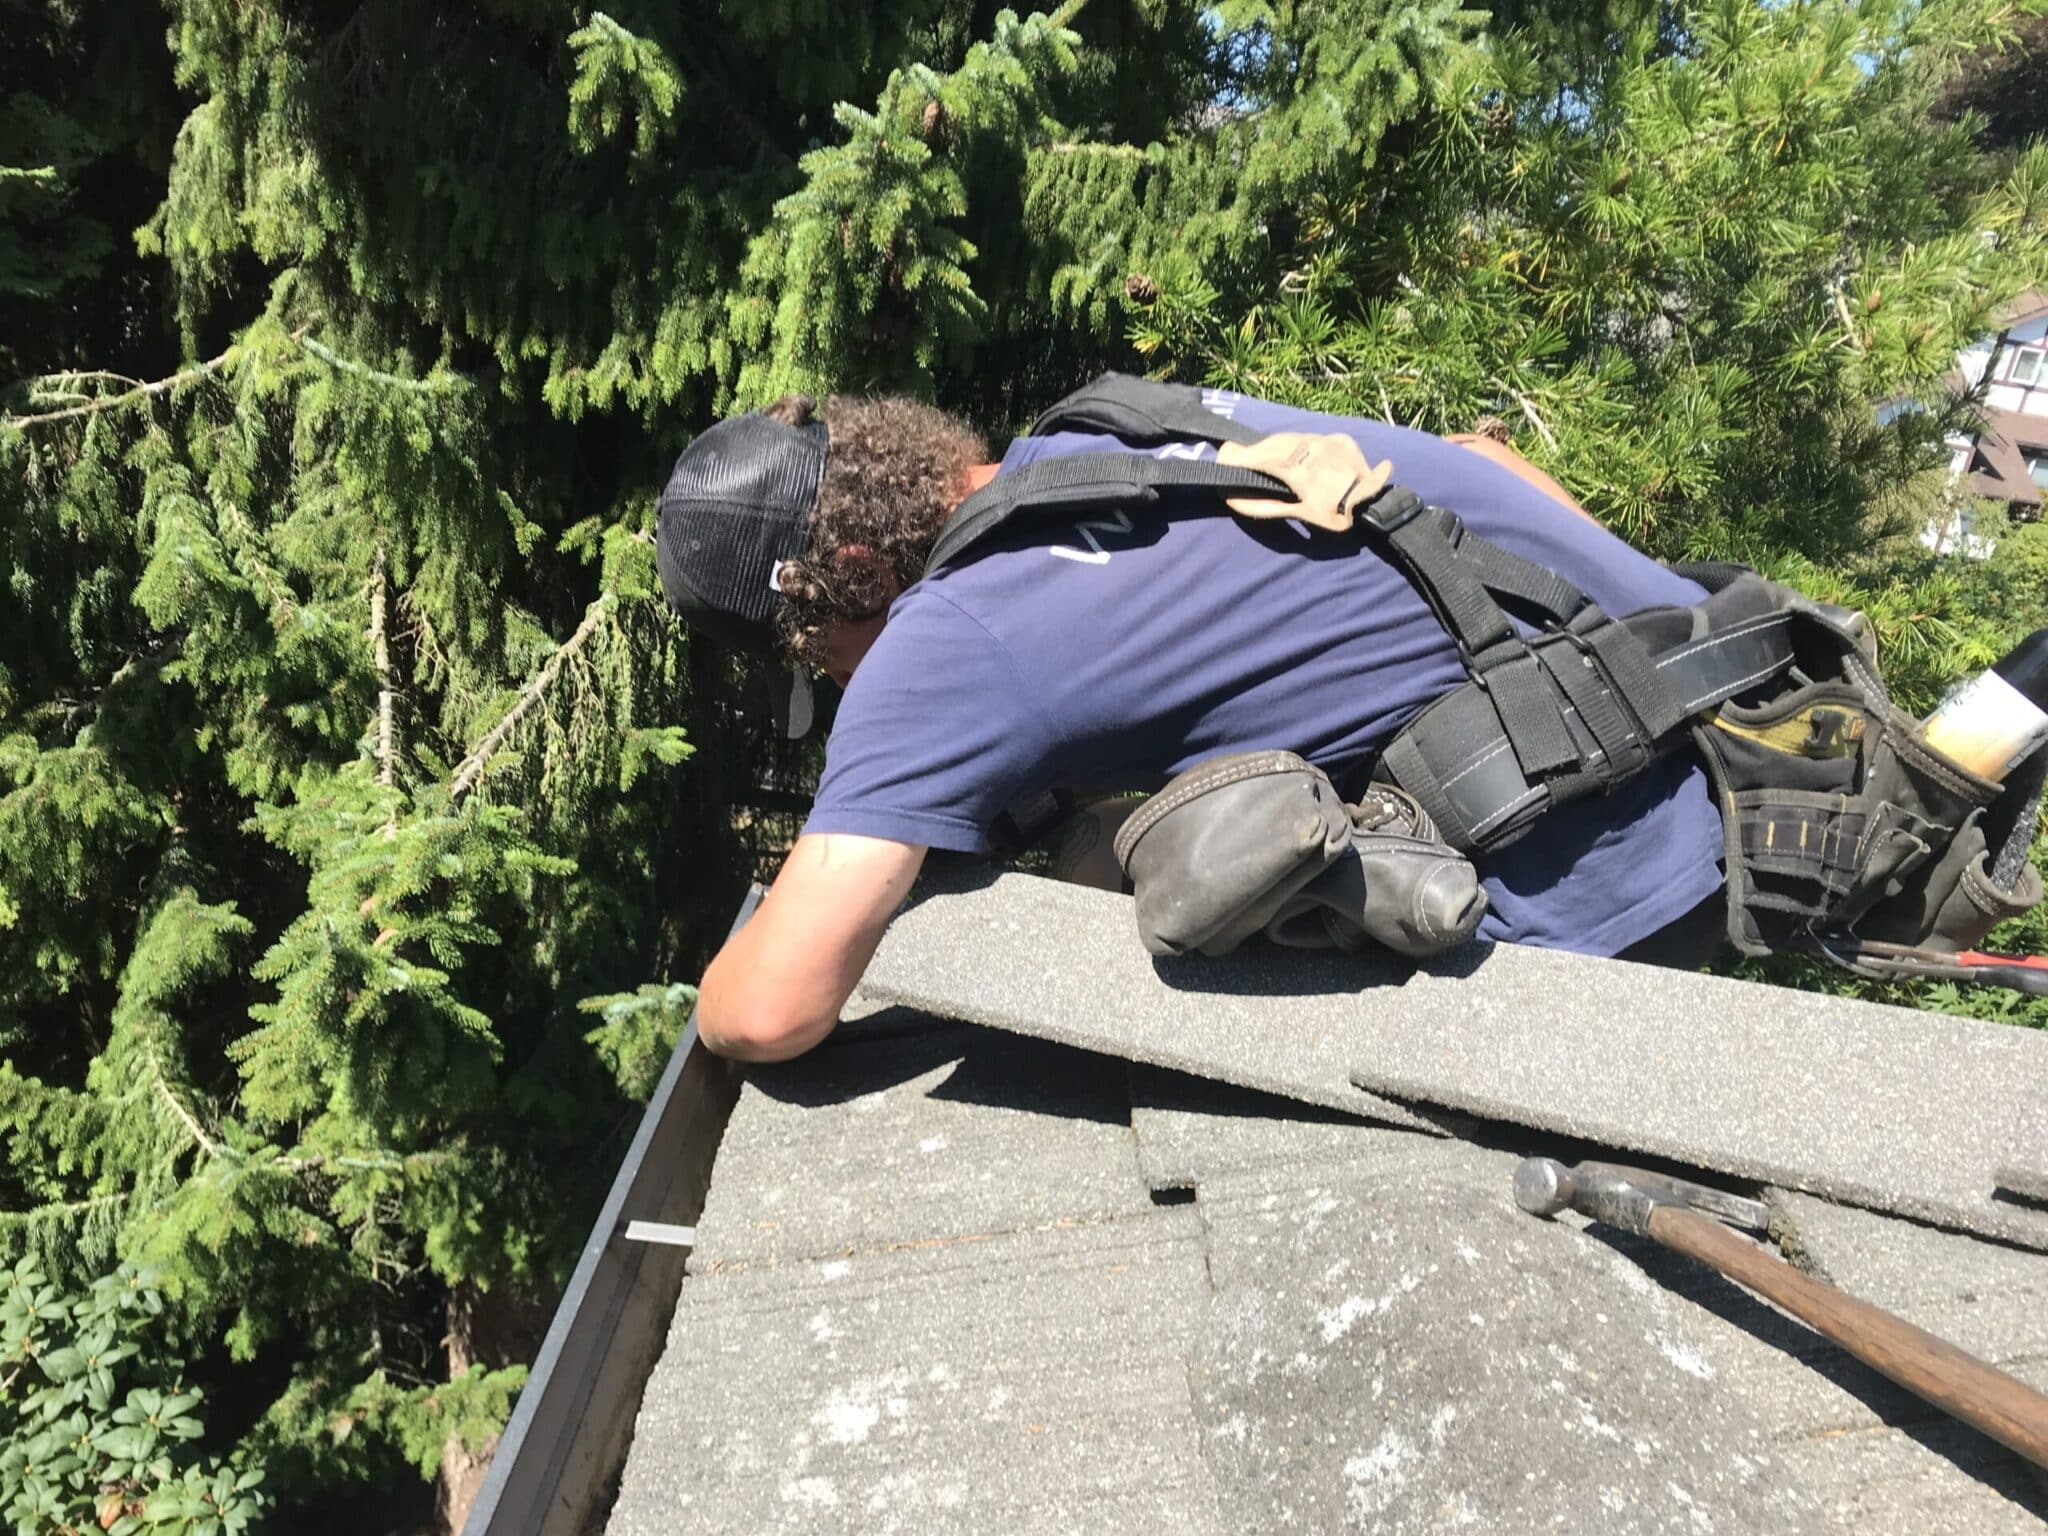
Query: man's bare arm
1515, 464
776, 988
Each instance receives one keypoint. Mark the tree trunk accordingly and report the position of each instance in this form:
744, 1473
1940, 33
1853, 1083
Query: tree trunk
492, 1329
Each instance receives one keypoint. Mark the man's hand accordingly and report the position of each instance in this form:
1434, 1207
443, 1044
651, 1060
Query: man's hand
776, 988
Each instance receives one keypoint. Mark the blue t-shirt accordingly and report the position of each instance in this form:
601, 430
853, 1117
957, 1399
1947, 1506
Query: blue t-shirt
1114, 652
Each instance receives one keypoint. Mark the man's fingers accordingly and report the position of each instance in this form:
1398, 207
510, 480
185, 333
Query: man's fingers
1326, 471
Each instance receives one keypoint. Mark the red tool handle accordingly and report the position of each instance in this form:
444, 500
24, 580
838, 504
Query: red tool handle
2022, 973
2025, 962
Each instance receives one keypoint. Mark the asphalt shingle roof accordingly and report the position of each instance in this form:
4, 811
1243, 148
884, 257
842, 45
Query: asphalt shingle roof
949, 1279
1904, 1111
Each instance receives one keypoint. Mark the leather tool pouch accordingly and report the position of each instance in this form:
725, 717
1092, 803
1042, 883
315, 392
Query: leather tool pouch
1261, 842
1842, 823
1982, 878
1215, 854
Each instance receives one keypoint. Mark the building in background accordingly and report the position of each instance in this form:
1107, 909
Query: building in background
2006, 458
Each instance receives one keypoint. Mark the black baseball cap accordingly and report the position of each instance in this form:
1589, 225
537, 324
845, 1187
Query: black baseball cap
737, 505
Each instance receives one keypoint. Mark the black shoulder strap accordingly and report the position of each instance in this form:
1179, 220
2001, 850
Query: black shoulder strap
1143, 412
1074, 482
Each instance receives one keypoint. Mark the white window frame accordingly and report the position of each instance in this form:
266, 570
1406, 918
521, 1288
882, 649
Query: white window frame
2034, 357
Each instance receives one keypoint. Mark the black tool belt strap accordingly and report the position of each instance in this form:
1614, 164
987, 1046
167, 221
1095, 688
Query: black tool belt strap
1463, 760
1080, 482
1579, 706
1143, 412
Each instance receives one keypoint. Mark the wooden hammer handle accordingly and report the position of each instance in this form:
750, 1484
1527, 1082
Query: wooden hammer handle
2008, 1410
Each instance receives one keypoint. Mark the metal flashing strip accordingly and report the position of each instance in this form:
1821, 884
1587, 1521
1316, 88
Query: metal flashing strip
661, 1232
570, 1431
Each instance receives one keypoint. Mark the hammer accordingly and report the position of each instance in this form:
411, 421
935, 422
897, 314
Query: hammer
1669, 1211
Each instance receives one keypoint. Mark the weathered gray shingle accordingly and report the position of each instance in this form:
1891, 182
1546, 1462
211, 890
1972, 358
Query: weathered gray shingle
1407, 1352
1887, 1107
908, 1133
1029, 1382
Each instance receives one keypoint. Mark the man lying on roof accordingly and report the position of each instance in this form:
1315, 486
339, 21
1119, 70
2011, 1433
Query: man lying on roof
1109, 652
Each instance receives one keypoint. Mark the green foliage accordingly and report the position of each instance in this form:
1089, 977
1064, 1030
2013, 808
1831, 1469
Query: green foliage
96, 1423
345, 739
639, 1031
1306, 95
861, 279
346, 744
1687, 294
616, 74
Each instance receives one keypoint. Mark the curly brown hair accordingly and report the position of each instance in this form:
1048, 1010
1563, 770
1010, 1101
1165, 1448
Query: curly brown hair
893, 473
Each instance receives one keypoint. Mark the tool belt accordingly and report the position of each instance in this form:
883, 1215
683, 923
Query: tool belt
1845, 830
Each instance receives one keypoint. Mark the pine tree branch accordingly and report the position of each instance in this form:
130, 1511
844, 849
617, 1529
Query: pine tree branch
54, 383
284, 603
1849, 324
472, 767
1089, 147
1528, 409
126, 397
380, 658
140, 391
185, 1116
14, 1220
342, 364
382, 1163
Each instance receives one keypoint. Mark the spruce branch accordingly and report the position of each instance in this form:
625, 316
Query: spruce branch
431, 663
440, 385
1090, 147
381, 1162
127, 397
58, 383
14, 1221
185, 1116
137, 391
250, 544
380, 659
471, 769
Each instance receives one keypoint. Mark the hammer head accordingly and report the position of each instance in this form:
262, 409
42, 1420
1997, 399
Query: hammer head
1622, 1196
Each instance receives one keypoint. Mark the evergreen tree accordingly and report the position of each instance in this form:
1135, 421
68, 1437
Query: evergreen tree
2006, 85
363, 814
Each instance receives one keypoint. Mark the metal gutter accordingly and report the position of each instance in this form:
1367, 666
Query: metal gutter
567, 1440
